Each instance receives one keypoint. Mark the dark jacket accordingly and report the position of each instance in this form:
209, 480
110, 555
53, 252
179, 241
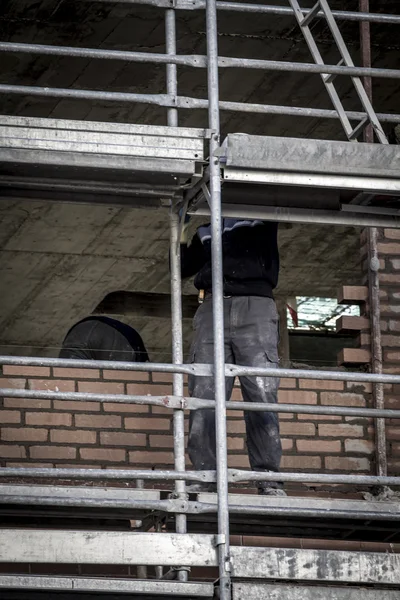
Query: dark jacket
102, 338
250, 258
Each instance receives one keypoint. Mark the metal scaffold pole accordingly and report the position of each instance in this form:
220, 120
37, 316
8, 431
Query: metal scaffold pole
176, 295
373, 270
217, 300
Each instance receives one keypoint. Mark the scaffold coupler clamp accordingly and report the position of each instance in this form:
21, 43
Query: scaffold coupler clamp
220, 540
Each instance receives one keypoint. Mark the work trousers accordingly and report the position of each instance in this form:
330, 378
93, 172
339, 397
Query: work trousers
251, 339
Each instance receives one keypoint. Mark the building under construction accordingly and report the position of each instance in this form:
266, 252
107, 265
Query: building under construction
117, 119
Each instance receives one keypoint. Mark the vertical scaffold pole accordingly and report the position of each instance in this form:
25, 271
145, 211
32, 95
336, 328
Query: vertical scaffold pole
373, 270
176, 294
217, 300
170, 47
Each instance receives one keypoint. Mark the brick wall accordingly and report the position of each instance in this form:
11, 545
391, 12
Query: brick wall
70, 434
389, 278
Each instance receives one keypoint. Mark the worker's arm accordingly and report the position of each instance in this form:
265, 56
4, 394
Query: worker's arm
192, 256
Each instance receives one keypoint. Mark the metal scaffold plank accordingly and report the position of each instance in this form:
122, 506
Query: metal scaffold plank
268, 591
316, 565
106, 547
103, 585
80, 146
296, 155
93, 126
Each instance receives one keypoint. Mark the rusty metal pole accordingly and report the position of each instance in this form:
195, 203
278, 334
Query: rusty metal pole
373, 270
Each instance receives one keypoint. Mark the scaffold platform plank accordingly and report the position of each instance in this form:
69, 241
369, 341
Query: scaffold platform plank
307, 181
106, 547
55, 156
320, 163
334, 566
134, 587
269, 591
115, 507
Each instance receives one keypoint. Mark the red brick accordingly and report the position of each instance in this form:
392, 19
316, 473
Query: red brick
300, 462
26, 403
353, 356
341, 463
359, 387
345, 399
162, 410
162, 377
103, 454
392, 356
286, 444
76, 405
393, 403
394, 325
287, 382
150, 389
25, 371
319, 418
391, 341
121, 438
393, 433
151, 458
392, 234
101, 387
55, 452
317, 384
147, 424
395, 449
236, 426
296, 397
286, 416
296, 428
364, 340
53, 385
390, 248
23, 434
52, 419
318, 445
236, 395
161, 441
12, 451
340, 430
238, 461
352, 294
389, 278
10, 416
391, 370
126, 375
76, 373
69, 436
121, 407
235, 443
14, 383
98, 421
359, 446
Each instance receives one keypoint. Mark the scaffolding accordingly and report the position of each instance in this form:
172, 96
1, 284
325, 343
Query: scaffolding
152, 161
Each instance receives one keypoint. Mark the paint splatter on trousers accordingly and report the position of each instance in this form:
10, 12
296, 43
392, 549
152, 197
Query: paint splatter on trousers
251, 339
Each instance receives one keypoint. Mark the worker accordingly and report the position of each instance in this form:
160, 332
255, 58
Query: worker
250, 273
102, 338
